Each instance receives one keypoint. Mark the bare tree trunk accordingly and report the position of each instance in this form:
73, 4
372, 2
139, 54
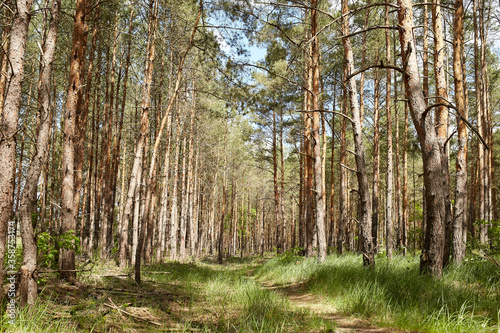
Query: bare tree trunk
144, 127
364, 193
282, 188
174, 213
220, 241
332, 240
318, 168
479, 113
389, 241
122, 229
68, 213
376, 160
160, 252
406, 214
485, 116
194, 204
397, 187
107, 216
425, 55
277, 210
441, 116
152, 168
308, 159
184, 201
341, 238
431, 260
460, 216
9, 122
5, 58
28, 283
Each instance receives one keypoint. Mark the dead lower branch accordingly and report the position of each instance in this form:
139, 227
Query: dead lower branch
381, 65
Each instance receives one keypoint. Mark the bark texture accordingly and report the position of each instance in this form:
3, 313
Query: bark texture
361, 173
431, 260
28, 283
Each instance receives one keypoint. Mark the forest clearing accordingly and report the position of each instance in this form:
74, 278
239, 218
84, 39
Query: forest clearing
249, 166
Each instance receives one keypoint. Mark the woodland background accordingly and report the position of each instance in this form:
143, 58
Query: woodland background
151, 131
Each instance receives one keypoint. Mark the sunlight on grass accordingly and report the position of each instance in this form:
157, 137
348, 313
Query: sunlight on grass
41, 317
466, 299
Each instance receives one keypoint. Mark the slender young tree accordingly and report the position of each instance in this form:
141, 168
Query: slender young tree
318, 168
389, 241
363, 187
144, 125
460, 212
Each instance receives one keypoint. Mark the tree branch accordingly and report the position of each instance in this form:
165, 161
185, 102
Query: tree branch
329, 111
345, 166
381, 65
368, 29
460, 115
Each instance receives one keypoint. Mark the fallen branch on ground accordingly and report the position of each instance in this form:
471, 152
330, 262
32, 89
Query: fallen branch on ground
130, 314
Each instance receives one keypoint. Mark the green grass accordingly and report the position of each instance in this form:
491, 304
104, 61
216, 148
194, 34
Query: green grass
208, 297
238, 303
465, 299
201, 296
38, 318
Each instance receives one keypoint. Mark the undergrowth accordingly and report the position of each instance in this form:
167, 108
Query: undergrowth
182, 297
394, 293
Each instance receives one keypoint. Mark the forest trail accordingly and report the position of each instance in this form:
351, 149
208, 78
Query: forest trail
300, 297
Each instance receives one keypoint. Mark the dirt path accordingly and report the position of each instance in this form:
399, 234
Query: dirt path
301, 298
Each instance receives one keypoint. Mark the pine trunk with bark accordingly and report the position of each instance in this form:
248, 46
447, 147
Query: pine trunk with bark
71, 132
389, 240
431, 260
9, 122
459, 237
318, 167
144, 127
361, 173
28, 283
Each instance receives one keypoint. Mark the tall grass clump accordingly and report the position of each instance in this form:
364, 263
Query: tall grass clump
250, 308
38, 318
394, 293
239, 303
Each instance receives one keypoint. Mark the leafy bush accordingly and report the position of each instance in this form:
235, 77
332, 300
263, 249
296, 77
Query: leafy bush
49, 246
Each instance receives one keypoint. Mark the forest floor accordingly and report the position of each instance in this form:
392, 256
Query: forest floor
298, 296
242, 295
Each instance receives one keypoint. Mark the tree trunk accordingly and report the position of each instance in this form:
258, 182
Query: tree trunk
406, 214
68, 213
174, 213
460, 216
341, 238
376, 160
479, 113
9, 122
184, 201
277, 210
308, 165
28, 283
431, 260
366, 204
389, 242
318, 167
144, 126
441, 115
152, 168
